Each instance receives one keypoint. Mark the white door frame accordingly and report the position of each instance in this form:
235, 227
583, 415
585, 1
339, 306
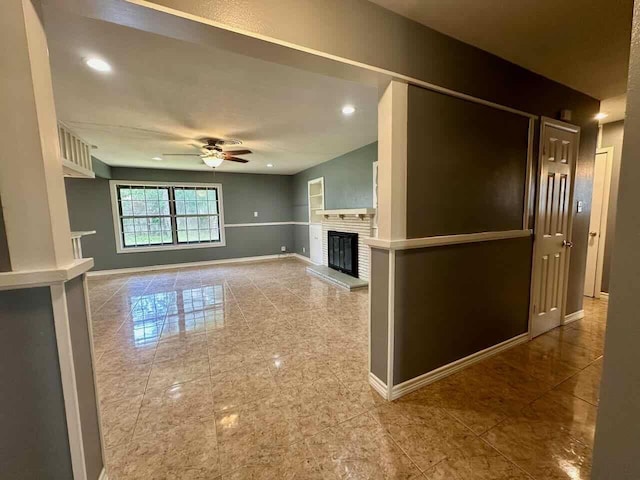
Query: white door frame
602, 228
544, 121
313, 225
375, 199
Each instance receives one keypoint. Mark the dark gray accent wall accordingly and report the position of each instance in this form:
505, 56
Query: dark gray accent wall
612, 136
83, 364
348, 183
33, 442
270, 195
453, 301
5, 258
466, 166
379, 286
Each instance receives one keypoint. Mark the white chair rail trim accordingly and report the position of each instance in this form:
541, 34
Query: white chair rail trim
445, 239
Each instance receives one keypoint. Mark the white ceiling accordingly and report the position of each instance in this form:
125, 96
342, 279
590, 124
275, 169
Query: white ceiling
581, 43
163, 94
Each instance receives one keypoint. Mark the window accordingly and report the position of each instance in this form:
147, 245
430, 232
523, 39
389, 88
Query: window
158, 216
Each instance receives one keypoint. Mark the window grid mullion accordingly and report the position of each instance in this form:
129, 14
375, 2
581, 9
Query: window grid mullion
173, 215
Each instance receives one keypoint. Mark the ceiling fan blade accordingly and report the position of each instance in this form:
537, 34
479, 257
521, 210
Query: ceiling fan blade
238, 152
239, 160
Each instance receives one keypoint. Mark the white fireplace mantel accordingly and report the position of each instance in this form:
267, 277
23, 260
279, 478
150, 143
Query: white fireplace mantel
344, 212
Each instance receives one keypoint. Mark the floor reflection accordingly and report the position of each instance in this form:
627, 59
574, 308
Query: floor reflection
261, 371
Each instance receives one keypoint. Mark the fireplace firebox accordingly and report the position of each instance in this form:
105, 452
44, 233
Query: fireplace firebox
343, 252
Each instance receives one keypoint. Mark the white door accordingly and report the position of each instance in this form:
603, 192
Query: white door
315, 197
558, 153
598, 222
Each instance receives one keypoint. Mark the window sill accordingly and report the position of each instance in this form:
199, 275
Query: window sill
161, 248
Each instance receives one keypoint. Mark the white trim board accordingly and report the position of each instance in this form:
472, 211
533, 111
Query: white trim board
604, 296
173, 266
68, 378
445, 239
303, 258
378, 385
38, 278
264, 224
418, 382
572, 317
103, 474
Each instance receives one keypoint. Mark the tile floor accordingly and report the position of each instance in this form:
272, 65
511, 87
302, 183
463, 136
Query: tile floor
259, 371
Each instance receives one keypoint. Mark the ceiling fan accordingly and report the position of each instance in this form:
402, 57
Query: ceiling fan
212, 153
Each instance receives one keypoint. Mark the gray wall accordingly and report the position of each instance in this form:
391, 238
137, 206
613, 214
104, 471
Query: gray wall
380, 313
466, 168
270, 195
33, 442
453, 301
100, 168
82, 361
612, 136
615, 453
348, 183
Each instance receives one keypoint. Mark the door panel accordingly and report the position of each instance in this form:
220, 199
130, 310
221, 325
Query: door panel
315, 243
559, 148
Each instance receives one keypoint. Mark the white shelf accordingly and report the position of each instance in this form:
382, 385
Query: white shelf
348, 211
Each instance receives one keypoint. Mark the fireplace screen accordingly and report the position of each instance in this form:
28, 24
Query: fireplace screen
343, 252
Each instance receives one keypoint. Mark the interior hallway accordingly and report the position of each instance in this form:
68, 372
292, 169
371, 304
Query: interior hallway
260, 371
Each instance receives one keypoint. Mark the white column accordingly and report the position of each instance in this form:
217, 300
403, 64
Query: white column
392, 162
31, 182
618, 427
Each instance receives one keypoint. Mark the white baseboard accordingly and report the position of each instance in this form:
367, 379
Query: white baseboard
378, 385
172, 266
446, 370
604, 295
303, 258
103, 475
572, 317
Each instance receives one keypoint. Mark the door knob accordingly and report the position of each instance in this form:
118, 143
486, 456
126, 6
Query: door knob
593, 234
566, 243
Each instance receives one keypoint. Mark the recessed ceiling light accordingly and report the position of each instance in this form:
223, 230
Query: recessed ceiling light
348, 109
157, 158
601, 115
269, 165
98, 64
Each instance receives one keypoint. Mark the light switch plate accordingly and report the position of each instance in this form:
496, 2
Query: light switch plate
255, 214
580, 206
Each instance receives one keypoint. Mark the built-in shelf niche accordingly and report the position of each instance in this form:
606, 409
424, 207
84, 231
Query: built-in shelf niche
316, 200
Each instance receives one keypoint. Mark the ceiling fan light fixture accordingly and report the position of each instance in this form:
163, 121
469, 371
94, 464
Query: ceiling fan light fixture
213, 161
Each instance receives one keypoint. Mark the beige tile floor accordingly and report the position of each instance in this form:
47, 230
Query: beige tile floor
259, 371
